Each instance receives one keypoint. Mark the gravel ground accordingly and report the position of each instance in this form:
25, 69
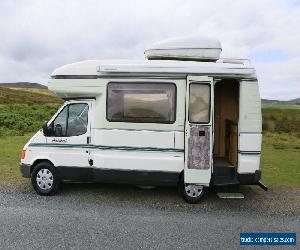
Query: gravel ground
94, 216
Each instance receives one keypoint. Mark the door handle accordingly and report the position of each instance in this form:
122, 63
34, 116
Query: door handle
88, 140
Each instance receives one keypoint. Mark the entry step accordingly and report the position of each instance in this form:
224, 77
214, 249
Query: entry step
230, 196
224, 170
225, 181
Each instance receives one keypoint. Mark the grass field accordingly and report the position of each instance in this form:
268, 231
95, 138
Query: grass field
22, 112
10, 151
281, 159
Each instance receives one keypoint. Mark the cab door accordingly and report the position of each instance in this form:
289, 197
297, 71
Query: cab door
69, 145
198, 130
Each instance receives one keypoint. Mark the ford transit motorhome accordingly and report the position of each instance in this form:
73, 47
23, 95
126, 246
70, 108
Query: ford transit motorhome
181, 117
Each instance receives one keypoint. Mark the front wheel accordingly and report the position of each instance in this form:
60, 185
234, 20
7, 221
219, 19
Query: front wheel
192, 193
45, 179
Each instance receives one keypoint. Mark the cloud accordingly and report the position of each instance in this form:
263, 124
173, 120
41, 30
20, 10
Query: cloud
280, 79
38, 36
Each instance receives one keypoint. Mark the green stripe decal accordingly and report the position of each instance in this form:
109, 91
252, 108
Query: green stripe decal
101, 147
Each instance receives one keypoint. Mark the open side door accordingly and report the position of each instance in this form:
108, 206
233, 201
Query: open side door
198, 130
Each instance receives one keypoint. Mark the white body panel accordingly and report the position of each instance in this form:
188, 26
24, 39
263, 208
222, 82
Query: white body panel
34, 154
142, 154
59, 156
158, 67
250, 128
250, 142
250, 120
135, 160
248, 164
136, 150
134, 138
179, 140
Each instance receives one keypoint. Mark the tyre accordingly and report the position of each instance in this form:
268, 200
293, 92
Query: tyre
45, 179
192, 193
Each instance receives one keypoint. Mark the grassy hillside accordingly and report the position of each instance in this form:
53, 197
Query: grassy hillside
281, 120
20, 96
18, 119
277, 104
23, 111
23, 85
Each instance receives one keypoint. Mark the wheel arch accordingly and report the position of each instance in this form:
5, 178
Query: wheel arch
37, 161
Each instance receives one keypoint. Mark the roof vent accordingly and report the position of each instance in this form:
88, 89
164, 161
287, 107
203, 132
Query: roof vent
185, 49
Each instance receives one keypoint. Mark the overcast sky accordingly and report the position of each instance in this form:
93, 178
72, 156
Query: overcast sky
39, 36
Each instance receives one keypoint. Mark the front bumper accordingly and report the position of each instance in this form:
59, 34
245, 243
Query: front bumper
25, 170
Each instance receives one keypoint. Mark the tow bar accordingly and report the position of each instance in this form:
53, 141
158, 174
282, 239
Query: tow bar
262, 186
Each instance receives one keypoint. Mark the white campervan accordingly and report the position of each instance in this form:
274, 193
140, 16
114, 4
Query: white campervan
182, 117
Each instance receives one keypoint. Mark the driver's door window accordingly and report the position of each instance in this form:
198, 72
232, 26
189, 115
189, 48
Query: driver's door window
71, 121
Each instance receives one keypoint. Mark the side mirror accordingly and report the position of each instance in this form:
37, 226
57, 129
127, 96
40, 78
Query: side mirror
58, 130
47, 130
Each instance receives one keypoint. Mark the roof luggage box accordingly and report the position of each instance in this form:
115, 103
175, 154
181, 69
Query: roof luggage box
185, 49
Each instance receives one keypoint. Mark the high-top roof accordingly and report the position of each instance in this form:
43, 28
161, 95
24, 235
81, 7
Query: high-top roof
181, 55
108, 67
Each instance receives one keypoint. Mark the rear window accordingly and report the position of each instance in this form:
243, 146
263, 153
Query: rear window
141, 102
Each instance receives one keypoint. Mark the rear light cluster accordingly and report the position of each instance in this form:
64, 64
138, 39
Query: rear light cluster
23, 153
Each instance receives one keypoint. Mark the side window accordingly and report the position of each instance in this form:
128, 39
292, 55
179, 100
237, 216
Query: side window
141, 102
72, 120
77, 119
199, 103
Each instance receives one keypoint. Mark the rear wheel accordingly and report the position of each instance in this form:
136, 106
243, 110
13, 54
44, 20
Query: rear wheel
192, 193
45, 179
